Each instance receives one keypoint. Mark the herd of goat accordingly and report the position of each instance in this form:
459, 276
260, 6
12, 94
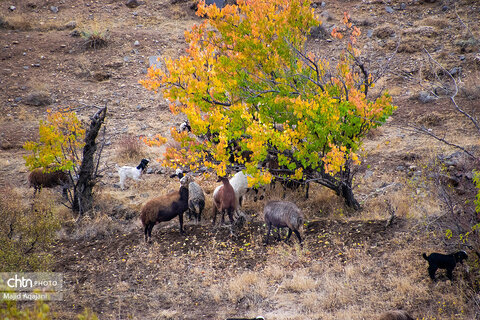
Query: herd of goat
227, 199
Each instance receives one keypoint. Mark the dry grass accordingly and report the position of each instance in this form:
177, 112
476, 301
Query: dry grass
437, 22
301, 281
344, 277
26, 22
130, 149
19, 22
249, 286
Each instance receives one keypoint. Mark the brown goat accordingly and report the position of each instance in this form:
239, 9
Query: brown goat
38, 179
396, 315
225, 200
164, 208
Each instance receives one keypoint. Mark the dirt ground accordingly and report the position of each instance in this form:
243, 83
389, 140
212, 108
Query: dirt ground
351, 266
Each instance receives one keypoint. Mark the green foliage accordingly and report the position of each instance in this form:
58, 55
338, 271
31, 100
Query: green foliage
246, 73
10, 311
40, 311
476, 181
95, 37
87, 314
61, 136
26, 234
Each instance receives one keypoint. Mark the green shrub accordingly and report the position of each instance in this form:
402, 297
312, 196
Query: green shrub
41, 311
26, 233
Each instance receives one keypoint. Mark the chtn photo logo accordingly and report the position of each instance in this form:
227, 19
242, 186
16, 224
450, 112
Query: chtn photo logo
17, 282
31, 286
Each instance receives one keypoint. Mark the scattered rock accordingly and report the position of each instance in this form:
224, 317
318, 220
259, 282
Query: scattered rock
368, 174
54, 9
389, 9
403, 6
318, 4
136, 43
75, 34
155, 61
132, 3
12, 8
38, 99
71, 25
456, 71
219, 3
452, 160
318, 32
156, 169
425, 97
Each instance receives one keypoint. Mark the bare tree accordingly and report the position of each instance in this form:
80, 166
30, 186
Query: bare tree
88, 171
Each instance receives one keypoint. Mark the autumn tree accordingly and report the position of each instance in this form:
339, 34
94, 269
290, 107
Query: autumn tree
66, 145
257, 100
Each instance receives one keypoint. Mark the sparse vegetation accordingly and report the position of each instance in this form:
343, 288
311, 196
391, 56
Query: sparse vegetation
26, 234
95, 37
130, 148
354, 265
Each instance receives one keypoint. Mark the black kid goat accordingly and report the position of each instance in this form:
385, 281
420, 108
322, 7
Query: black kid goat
444, 261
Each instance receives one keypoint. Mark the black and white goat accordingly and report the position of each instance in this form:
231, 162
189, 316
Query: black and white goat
131, 172
444, 261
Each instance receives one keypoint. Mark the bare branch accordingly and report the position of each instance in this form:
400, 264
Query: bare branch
430, 133
452, 97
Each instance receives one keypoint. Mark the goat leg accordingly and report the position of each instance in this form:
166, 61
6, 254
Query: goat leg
268, 232
289, 234
180, 218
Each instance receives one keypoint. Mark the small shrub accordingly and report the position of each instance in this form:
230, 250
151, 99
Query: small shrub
40, 311
130, 147
25, 233
16, 22
95, 38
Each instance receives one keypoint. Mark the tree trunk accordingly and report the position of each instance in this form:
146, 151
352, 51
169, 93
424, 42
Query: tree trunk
346, 193
83, 189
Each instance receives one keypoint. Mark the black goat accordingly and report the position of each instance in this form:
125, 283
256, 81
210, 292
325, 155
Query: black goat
444, 261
